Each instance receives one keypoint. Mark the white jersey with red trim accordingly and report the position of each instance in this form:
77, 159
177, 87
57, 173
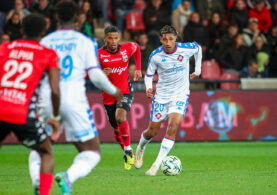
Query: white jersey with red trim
173, 71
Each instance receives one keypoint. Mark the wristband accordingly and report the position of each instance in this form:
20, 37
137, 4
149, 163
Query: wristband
56, 118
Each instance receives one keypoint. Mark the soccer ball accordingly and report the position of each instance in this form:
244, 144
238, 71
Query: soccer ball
171, 166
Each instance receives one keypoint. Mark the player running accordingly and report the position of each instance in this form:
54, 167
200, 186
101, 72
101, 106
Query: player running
171, 61
23, 65
77, 54
114, 59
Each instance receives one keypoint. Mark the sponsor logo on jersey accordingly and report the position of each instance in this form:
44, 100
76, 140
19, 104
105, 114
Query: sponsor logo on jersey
118, 70
106, 60
180, 58
163, 60
104, 56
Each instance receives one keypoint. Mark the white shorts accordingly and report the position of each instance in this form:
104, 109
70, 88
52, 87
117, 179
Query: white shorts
76, 119
160, 112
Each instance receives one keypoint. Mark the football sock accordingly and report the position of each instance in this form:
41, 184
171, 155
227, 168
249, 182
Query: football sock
119, 139
34, 166
125, 133
166, 146
82, 165
46, 181
143, 141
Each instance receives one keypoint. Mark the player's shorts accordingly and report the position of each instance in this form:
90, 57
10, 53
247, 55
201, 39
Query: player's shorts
111, 109
32, 134
160, 112
76, 120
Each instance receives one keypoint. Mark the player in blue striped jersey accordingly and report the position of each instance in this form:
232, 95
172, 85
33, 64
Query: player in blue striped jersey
171, 62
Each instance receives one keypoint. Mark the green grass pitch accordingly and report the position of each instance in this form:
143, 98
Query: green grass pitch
208, 168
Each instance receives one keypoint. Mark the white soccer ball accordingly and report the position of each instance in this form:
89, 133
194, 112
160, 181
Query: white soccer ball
171, 166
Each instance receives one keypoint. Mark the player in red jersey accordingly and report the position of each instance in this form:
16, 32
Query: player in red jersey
23, 64
114, 59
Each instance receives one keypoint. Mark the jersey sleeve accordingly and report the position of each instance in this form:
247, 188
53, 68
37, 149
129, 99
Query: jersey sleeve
53, 60
137, 55
151, 67
91, 55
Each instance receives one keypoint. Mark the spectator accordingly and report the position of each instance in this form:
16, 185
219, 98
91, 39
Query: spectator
2, 21
234, 58
155, 16
4, 38
83, 25
239, 15
121, 9
251, 70
195, 31
260, 52
274, 13
262, 14
228, 37
19, 8
251, 4
13, 27
207, 7
43, 7
272, 40
216, 30
180, 16
86, 8
176, 3
145, 48
250, 33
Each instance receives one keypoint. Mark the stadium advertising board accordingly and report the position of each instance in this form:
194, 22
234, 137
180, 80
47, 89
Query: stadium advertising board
210, 116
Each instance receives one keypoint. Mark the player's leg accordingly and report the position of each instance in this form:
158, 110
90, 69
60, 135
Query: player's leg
81, 131
110, 112
5, 131
145, 138
157, 115
176, 111
124, 129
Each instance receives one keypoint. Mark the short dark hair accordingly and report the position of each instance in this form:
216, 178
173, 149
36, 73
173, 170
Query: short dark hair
111, 29
252, 61
168, 29
66, 10
33, 25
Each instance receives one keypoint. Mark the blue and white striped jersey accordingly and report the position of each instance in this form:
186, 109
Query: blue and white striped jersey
173, 70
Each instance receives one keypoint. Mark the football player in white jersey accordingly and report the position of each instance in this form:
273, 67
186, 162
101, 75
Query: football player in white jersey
77, 55
171, 61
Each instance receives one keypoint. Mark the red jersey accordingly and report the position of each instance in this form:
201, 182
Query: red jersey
22, 65
118, 64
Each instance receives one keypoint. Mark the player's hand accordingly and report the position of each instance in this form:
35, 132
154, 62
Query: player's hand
55, 129
137, 75
149, 93
193, 76
107, 71
118, 95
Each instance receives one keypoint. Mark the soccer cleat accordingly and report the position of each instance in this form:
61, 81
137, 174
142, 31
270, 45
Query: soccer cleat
138, 158
152, 171
63, 183
128, 160
36, 188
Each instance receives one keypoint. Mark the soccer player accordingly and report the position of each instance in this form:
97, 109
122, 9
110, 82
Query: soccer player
114, 59
77, 55
171, 61
23, 65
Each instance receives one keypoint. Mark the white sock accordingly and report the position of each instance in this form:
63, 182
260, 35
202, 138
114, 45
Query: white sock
143, 142
127, 148
166, 146
82, 165
34, 166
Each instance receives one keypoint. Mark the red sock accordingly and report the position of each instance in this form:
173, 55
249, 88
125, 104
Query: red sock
125, 133
119, 139
46, 181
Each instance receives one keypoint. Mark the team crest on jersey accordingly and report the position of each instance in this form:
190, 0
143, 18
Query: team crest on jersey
180, 58
158, 115
124, 56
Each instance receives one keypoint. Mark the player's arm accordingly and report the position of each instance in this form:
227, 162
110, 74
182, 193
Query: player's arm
148, 79
54, 81
198, 63
137, 58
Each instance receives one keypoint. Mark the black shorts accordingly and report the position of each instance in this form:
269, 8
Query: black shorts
31, 134
111, 109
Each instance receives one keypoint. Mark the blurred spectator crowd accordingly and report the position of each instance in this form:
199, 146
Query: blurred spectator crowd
239, 36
